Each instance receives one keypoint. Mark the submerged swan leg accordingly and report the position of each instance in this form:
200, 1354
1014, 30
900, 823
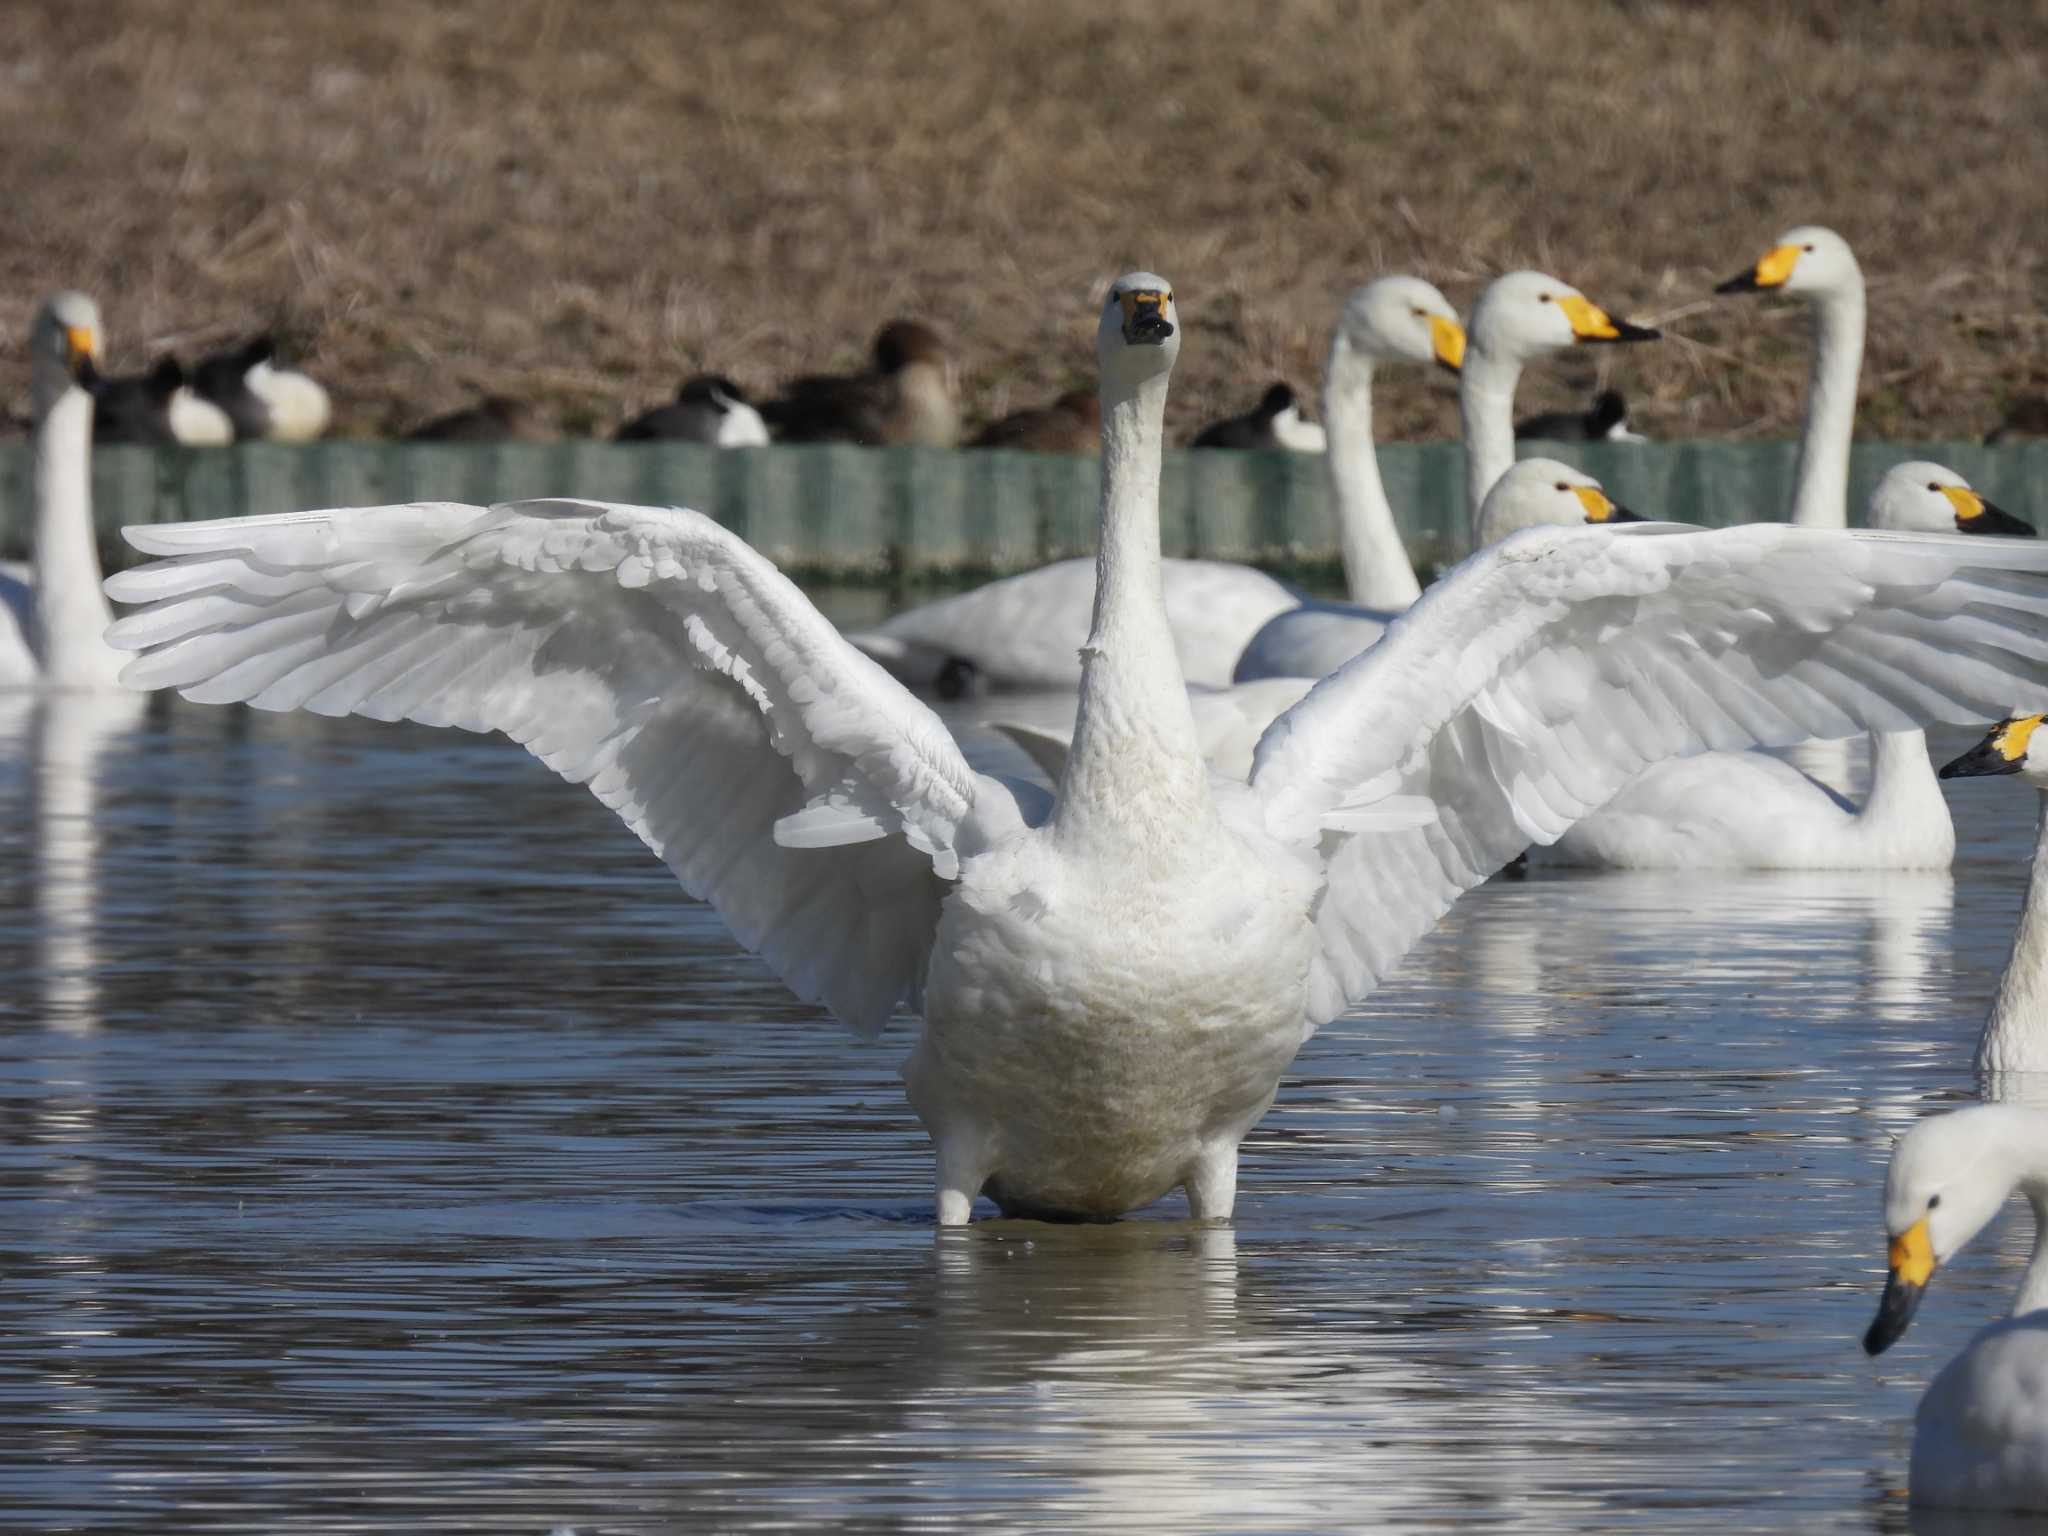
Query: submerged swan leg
1211, 1184
962, 1172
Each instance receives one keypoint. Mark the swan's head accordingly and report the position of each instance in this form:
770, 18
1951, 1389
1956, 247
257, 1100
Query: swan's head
1542, 493
1139, 336
64, 344
1808, 259
1949, 1176
2014, 745
1919, 497
1526, 314
1403, 320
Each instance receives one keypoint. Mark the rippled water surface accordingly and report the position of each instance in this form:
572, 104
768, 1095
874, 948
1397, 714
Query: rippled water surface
386, 1142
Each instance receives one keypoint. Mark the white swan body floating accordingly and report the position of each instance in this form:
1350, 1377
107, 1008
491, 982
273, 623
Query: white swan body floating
2015, 1037
1112, 977
1519, 317
1745, 810
1740, 811
1980, 1437
1026, 631
53, 616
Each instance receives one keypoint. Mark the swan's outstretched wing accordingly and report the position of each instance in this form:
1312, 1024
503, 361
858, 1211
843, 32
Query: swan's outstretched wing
644, 652
1539, 677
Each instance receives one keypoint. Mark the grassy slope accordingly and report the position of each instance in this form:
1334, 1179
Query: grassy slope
579, 202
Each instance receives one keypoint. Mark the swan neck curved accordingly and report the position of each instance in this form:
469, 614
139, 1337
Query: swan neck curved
71, 613
1134, 759
2015, 1037
1377, 571
1820, 495
1486, 402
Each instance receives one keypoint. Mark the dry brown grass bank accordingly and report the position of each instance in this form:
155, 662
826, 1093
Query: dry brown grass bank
580, 200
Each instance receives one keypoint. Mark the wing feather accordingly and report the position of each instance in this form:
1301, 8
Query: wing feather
643, 652
1527, 687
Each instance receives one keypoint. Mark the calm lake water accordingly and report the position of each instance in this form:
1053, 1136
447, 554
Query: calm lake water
385, 1142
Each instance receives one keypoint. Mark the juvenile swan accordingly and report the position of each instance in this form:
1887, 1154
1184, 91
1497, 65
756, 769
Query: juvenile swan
1113, 976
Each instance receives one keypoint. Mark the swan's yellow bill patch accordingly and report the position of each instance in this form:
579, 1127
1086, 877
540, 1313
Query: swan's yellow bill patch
82, 341
2012, 737
1143, 298
1968, 503
1774, 268
1598, 508
1589, 320
1448, 338
1912, 1254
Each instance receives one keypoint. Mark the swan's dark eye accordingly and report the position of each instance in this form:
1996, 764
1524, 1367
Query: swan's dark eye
1542, 298
1933, 1201
1806, 248
1933, 485
1562, 486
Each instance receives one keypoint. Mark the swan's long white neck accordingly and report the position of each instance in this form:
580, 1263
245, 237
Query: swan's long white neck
2015, 1037
1486, 402
71, 613
1903, 787
2022, 1146
1134, 764
1820, 496
1376, 568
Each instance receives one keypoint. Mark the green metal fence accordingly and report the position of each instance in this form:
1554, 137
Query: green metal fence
852, 513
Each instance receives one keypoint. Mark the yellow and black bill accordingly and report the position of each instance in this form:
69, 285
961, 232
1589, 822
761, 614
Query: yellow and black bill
1447, 341
1145, 322
1773, 269
1592, 323
1600, 508
1911, 1267
1976, 515
2003, 751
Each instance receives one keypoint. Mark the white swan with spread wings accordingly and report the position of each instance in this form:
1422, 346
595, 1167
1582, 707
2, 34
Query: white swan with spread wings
1113, 977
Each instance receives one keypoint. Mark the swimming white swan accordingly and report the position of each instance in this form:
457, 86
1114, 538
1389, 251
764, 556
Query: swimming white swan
1519, 317
1745, 810
1112, 977
1026, 631
1980, 1437
1536, 493
53, 616
1696, 813
2015, 1037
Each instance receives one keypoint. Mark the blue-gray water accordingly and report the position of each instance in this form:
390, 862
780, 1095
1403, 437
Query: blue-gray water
385, 1142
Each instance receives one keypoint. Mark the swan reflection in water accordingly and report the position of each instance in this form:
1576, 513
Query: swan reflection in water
64, 737
1553, 937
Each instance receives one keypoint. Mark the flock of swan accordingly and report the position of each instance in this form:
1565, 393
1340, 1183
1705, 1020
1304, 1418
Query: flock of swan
1262, 803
